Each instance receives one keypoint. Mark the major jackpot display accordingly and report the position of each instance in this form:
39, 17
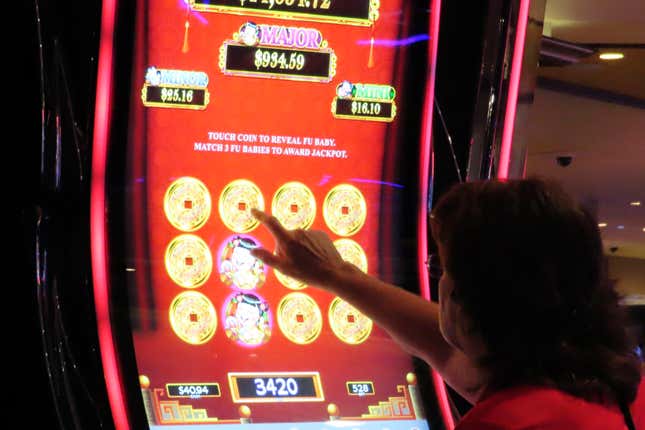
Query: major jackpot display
293, 107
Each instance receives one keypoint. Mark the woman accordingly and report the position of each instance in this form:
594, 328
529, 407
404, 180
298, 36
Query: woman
528, 327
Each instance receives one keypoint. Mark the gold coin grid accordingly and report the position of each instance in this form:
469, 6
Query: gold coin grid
187, 205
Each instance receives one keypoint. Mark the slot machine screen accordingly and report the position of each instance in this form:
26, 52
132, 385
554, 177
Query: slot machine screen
305, 109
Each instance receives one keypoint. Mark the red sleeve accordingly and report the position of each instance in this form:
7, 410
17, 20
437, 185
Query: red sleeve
638, 407
481, 426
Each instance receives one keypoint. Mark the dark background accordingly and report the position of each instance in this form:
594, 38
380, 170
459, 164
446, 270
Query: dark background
49, 205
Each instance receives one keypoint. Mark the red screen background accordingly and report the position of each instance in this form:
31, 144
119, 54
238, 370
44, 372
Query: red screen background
163, 149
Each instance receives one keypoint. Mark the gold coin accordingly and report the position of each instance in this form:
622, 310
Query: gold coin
235, 203
188, 261
299, 318
288, 281
294, 206
237, 267
187, 204
347, 323
344, 210
193, 317
352, 252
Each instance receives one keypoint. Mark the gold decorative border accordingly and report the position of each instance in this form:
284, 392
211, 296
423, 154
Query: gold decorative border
333, 60
207, 98
173, 412
373, 14
365, 118
235, 394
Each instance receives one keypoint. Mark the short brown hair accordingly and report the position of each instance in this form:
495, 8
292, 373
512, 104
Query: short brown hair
529, 269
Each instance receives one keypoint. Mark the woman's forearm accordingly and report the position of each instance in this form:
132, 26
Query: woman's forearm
411, 321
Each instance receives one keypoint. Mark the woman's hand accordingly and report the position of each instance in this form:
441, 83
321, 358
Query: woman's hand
412, 321
307, 255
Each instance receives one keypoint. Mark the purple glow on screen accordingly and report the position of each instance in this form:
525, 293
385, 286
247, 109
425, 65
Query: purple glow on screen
374, 181
396, 42
183, 4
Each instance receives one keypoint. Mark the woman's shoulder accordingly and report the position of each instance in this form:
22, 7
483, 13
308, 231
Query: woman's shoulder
545, 408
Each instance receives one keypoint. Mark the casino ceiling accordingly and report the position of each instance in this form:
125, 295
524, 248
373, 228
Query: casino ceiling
594, 111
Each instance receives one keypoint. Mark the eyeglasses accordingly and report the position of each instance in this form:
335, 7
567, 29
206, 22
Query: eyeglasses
435, 270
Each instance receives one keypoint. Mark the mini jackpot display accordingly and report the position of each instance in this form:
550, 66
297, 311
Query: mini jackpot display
298, 108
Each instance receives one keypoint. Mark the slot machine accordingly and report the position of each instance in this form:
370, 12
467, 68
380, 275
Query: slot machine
316, 111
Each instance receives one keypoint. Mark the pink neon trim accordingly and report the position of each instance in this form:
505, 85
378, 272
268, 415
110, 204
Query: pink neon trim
426, 155
98, 232
513, 88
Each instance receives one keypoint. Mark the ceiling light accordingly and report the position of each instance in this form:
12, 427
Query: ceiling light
602, 224
620, 227
612, 56
635, 203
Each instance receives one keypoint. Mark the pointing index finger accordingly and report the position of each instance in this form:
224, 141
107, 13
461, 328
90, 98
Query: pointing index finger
271, 223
